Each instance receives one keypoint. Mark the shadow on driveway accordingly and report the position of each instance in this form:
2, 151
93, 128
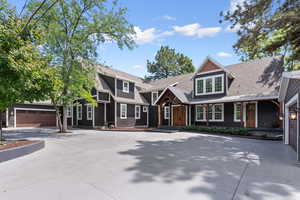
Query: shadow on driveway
217, 163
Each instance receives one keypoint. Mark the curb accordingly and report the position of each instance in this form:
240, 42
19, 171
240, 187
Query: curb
12, 153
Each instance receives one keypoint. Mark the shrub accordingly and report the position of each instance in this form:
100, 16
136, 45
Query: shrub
214, 129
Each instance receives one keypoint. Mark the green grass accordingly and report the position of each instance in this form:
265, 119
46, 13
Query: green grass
213, 129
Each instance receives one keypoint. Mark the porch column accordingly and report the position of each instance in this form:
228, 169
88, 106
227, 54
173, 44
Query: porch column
159, 116
206, 113
242, 114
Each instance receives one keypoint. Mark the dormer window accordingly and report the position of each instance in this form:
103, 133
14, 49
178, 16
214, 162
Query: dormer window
126, 86
209, 85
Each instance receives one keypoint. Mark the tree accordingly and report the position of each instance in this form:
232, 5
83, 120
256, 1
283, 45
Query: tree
168, 63
24, 72
74, 29
267, 28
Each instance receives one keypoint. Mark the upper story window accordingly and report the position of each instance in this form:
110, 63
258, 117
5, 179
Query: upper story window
126, 86
209, 85
154, 97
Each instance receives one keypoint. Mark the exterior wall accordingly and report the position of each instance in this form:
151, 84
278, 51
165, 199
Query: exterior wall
153, 111
210, 95
293, 89
99, 114
209, 66
110, 81
268, 115
110, 112
11, 117
131, 121
120, 92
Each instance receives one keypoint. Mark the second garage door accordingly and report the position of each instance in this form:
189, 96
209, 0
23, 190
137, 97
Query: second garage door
34, 118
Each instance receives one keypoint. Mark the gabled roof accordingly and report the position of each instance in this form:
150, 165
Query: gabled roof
286, 76
210, 65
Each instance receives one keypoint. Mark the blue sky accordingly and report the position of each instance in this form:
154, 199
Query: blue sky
191, 27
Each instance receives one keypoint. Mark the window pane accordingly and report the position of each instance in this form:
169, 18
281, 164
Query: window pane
238, 111
208, 83
200, 113
200, 86
218, 84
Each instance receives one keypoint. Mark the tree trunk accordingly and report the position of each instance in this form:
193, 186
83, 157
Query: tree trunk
65, 120
1, 136
58, 119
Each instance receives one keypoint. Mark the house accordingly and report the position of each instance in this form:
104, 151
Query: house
239, 95
290, 98
30, 115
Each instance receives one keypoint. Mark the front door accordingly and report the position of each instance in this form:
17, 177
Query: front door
250, 115
179, 116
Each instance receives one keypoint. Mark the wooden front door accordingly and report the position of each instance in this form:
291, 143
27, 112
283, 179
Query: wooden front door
179, 116
250, 115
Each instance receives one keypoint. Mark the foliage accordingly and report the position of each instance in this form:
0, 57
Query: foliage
75, 28
224, 130
267, 28
169, 63
24, 72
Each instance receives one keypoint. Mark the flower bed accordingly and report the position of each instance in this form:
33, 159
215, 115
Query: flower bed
14, 143
224, 130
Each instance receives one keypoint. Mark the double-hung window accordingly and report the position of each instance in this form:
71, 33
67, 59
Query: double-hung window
209, 85
215, 112
69, 111
154, 97
79, 112
89, 112
167, 112
137, 112
237, 112
126, 86
123, 111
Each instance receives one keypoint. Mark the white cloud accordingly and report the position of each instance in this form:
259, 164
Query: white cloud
223, 54
139, 67
234, 29
149, 35
168, 17
196, 30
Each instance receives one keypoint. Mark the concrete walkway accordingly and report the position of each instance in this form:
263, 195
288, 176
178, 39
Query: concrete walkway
95, 165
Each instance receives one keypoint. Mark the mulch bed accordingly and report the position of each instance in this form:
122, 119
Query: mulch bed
14, 143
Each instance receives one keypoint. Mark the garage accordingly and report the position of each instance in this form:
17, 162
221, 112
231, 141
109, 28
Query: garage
35, 118
293, 129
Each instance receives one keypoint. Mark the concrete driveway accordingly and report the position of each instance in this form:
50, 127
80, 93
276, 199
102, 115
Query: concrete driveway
95, 165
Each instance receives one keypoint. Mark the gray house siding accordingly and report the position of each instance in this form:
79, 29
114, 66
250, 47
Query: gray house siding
99, 114
153, 110
130, 121
267, 115
120, 92
110, 112
210, 95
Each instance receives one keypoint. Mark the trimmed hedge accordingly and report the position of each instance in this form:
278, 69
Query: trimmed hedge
213, 129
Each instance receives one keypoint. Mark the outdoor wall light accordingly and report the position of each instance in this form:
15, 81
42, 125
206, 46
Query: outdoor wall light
293, 115
281, 116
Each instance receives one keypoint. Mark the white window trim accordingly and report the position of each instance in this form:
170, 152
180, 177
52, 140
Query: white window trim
213, 113
165, 112
124, 88
213, 85
204, 111
121, 105
139, 109
152, 102
145, 109
79, 106
234, 113
87, 112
